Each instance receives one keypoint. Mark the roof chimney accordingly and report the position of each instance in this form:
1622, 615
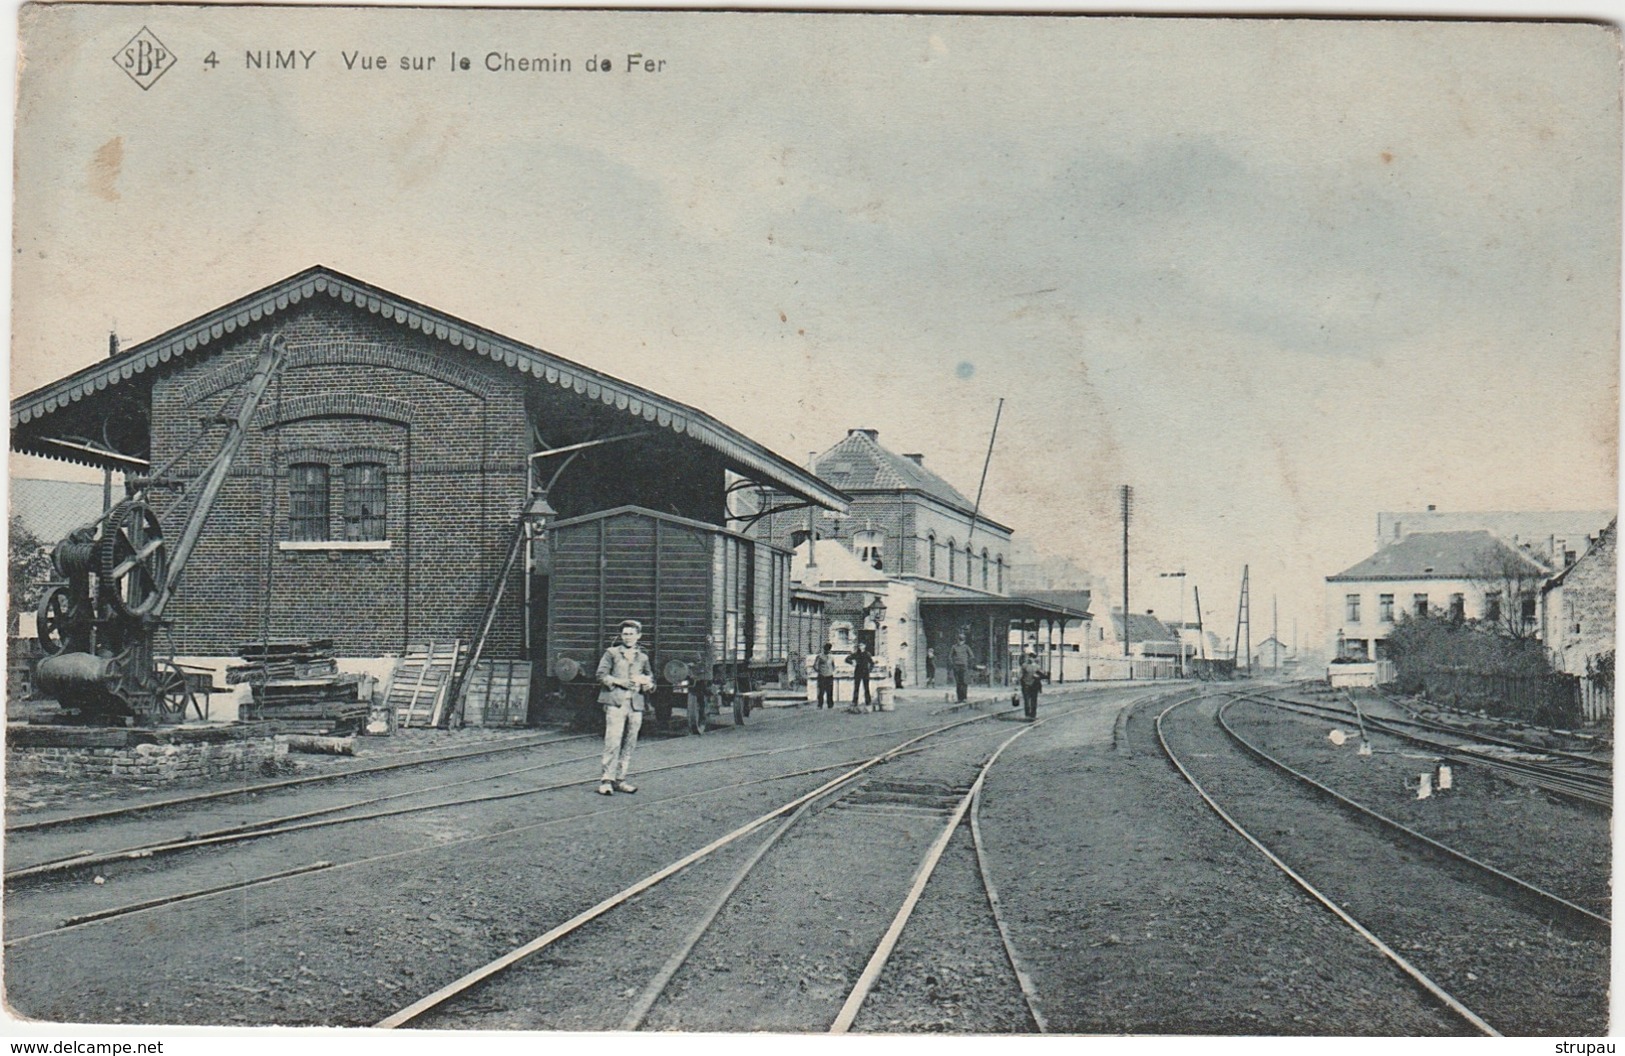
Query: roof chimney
1432, 508
873, 434
112, 343
915, 457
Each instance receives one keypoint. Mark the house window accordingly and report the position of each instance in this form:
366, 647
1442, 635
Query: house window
1529, 613
1351, 608
931, 554
1492, 606
1419, 604
1458, 606
1385, 608
366, 502
307, 502
867, 544
953, 562
984, 568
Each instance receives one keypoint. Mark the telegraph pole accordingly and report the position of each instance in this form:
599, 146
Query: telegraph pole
1125, 495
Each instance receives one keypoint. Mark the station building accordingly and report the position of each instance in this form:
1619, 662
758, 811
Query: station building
916, 564
378, 492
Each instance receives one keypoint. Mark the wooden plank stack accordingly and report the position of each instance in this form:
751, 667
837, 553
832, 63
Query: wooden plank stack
421, 685
498, 694
296, 683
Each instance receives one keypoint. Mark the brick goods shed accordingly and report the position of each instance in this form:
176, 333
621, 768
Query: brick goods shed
381, 484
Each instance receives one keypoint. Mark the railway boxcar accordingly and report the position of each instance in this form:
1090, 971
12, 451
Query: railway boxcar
714, 604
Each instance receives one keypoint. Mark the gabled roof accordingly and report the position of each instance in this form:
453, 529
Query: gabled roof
1143, 627
1604, 538
1442, 555
859, 464
53, 508
1076, 600
191, 341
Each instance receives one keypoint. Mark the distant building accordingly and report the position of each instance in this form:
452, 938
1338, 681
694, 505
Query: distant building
53, 508
1577, 610
1555, 538
948, 563
1271, 654
1471, 574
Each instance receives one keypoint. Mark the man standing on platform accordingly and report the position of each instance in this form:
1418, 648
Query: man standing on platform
960, 659
1032, 680
862, 663
824, 668
627, 681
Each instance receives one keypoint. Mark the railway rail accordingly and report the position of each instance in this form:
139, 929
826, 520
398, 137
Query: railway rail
439, 1007
21, 877
1577, 777
1427, 920
1519, 887
298, 821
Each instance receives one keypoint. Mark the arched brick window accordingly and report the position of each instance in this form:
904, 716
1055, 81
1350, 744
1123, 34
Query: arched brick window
953, 561
1000, 568
931, 554
984, 568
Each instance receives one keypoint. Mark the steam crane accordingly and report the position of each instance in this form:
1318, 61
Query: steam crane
99, 623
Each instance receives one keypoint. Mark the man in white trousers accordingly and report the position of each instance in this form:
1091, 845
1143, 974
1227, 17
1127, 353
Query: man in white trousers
627, 681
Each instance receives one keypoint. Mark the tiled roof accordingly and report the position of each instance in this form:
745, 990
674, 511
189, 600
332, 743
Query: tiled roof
859, 463
1142, 628
1077, 600
191, 341
1442, 555
53, 508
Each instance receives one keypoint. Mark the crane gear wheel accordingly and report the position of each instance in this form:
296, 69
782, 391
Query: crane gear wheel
131, 562
59, 616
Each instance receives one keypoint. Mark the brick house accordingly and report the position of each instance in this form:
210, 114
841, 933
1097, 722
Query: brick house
379, 488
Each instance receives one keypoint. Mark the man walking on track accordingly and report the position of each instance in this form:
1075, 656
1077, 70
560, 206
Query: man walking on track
862, 663
1032, 680
627, 680
960, 658
824, 668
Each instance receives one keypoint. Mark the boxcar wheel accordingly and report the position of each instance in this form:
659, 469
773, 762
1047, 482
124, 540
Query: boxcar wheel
696, 712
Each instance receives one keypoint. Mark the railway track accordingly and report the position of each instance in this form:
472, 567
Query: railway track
36, 866
233, 897
1574, 776
708, 921
1499, 966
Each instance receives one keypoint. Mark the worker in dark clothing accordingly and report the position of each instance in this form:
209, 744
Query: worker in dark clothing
862, 663
1032, 680
960, 658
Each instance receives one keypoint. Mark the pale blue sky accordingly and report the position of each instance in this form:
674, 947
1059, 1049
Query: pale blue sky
1276, 275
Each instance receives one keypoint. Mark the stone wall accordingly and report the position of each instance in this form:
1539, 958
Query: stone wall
182, 762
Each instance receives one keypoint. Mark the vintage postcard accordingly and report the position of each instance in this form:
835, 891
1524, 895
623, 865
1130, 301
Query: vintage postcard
899, 523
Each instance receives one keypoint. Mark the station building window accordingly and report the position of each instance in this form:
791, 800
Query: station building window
984, 568
307, 502
867, 545
1351, 608
366, 502
953, 562
931, 554
1385, 608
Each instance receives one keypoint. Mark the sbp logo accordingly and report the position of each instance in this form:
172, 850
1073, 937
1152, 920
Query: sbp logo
145, 58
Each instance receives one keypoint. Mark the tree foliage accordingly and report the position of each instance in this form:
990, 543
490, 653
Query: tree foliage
28, 570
